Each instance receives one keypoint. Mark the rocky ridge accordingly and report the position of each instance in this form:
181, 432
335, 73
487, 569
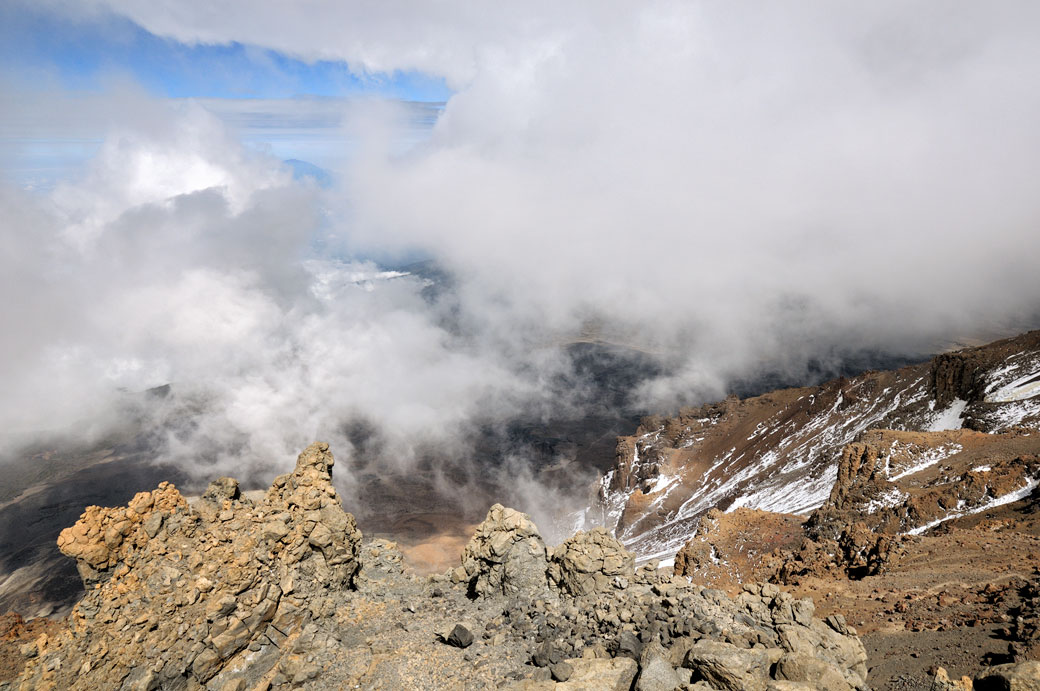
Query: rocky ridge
282, 592
782, 451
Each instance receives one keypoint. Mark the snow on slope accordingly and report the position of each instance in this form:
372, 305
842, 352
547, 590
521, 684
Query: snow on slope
779, 452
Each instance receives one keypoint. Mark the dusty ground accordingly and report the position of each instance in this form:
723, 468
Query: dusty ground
430, 542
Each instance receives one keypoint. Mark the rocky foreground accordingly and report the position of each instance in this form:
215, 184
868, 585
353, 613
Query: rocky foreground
283, 592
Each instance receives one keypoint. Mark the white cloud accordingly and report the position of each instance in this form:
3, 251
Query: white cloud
730, 187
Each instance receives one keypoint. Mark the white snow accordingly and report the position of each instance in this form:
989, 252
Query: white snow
928, 458
1018, 494
892, 497
1018, 390
1012, 414
982, 469
951, 418
663, 482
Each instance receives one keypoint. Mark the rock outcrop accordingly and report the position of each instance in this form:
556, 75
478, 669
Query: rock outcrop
780, 451
176, 596
281, 593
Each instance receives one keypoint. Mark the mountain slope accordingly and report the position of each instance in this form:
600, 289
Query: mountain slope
780, 451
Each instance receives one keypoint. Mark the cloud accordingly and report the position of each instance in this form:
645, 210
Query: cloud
734, 189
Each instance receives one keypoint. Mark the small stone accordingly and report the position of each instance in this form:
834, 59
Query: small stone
545, 655
561, 671
460, 636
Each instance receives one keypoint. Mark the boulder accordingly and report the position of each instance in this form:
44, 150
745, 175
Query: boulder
611, 674
1021, 676
725, 666
657, 674
806, 668
506, 556
589, 562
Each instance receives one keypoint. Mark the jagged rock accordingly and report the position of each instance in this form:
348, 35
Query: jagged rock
506, 556
657, 674
589, 562
220, 489
941, 682
259, 592
181, 593
97, 540
460, 636
1021, 676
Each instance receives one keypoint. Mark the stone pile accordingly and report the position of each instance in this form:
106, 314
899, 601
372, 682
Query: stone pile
676, 634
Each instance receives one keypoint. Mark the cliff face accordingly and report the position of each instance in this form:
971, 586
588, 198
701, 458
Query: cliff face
784, 451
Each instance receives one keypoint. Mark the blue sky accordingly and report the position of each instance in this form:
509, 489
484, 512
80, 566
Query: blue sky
86, 52
275, 102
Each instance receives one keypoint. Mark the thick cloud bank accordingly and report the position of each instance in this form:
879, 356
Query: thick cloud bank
733, 189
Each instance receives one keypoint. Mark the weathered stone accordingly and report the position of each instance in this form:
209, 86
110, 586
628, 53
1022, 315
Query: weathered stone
728, 667
657, 674
806, 668
609, 674
460, 636
589, 562
561, 671
1022, 676
223, 488
506, 556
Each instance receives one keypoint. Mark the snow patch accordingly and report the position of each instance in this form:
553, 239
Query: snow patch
892, 497
1018, 390
663, 482
1008, 498
951, 418
928, 458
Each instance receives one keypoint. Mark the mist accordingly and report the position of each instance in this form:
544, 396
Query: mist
730, 192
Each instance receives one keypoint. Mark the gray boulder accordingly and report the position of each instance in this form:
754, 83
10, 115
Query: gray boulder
506, 556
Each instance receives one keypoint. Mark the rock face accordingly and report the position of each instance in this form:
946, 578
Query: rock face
177, 595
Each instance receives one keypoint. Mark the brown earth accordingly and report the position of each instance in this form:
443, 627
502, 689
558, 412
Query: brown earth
15, 633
